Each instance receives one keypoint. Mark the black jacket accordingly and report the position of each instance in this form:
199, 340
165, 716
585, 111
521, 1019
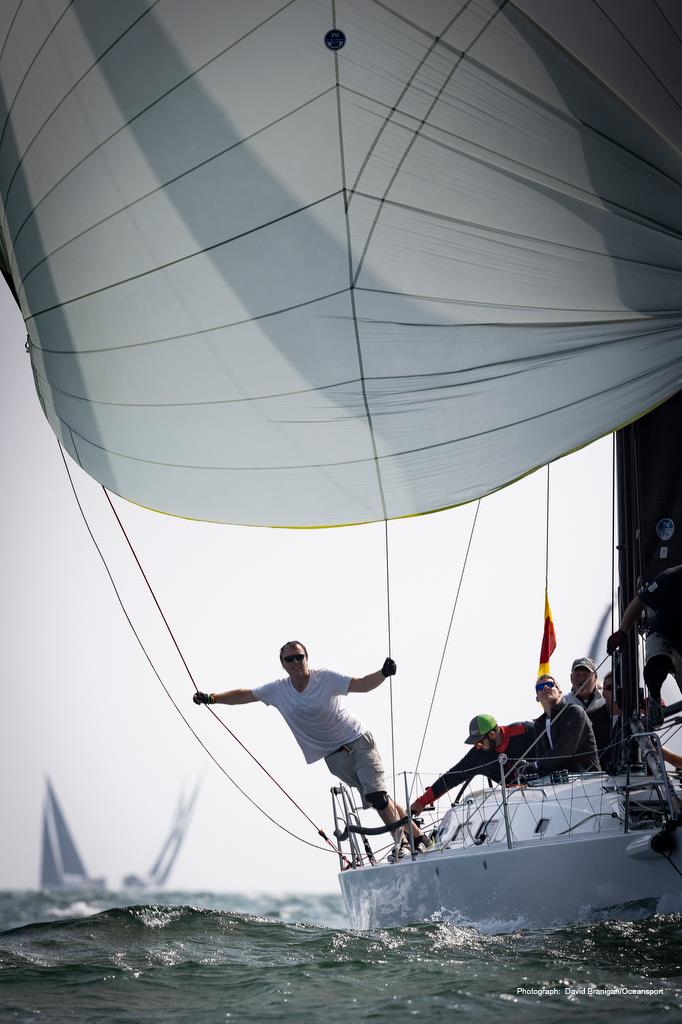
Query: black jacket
664, 598
573, 745
600, 717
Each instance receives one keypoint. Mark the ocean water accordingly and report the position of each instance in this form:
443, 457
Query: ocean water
176, 957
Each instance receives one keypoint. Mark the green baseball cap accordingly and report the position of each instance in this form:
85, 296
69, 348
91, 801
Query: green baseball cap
479, 727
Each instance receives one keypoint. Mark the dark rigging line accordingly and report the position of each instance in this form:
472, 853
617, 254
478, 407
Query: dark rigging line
319, 831
315, 846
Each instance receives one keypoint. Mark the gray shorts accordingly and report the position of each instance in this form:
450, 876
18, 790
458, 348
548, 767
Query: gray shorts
360, 766
658, 645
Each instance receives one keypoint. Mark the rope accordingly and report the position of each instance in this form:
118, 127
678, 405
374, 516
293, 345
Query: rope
390, 678
315, 846
445, 645
547, 534
613, 533
253, 757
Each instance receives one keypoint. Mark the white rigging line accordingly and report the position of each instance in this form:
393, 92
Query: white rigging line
445, 645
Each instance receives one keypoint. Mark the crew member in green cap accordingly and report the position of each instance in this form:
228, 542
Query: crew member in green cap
489, 740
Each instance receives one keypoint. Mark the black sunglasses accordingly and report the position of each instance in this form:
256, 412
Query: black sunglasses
539, 687
293, 657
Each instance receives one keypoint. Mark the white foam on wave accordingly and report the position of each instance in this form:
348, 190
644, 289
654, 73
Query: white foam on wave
485, 926
159, 916
77, 909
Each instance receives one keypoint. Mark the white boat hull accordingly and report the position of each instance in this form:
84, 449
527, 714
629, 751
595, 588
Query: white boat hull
531, 885
570, 858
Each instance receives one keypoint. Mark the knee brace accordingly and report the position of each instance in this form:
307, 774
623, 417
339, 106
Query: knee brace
379, 801
655, 672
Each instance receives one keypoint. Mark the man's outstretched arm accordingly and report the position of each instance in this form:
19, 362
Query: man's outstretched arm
374, 679
228, 697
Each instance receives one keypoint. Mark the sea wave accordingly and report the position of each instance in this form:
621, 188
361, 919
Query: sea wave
177, 962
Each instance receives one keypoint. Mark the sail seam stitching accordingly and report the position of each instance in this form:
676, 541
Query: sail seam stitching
149, 106
499, 235
11, 26
573, 59
408, 83
522, 363
671, 364
354, 316
190, 334
416, 135
159, 188
186, 257
638, 54
36, 55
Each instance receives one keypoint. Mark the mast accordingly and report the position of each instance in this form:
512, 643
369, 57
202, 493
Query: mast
166, 859
649, 489
626, 666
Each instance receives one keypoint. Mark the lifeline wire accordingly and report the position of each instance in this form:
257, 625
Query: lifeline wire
315, 846
445, 645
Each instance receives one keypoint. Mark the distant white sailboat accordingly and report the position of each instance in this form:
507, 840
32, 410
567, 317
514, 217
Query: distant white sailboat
163, 865
62, 866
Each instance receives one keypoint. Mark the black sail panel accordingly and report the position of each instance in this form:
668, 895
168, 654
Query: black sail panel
658, 441
649, 454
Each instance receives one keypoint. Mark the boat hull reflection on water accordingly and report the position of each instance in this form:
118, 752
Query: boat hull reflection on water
570, 858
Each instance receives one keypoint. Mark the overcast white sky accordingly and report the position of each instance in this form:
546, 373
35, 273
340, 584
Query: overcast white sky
80, 703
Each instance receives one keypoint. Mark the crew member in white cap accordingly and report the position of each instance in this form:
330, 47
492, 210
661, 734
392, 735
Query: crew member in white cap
585, 693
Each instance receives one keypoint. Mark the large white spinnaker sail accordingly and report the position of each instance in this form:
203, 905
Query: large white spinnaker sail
273, 275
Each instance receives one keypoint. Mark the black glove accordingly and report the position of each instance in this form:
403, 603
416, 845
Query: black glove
203, 698
614, 641
388, 668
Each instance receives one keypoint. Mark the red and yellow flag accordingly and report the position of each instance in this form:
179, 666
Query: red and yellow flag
548, 640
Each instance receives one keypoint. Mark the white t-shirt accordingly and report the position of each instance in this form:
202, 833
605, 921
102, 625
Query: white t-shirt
317, 718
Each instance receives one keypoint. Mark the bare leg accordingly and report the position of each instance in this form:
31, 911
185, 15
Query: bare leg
394, 812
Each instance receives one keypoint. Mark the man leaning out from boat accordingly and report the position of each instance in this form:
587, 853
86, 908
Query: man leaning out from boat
565, 738
489, 740
309, 700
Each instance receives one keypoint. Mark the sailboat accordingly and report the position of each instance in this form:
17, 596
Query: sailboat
61, 865
311, 265
611, 838
163, 865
